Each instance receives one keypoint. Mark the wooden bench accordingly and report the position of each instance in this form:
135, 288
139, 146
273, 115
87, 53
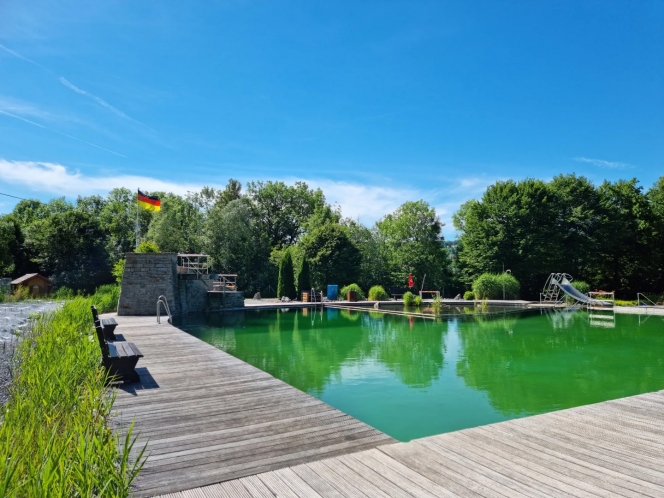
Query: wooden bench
107, 324
118, 357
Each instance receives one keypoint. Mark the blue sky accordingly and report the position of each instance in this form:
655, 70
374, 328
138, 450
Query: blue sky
375, 102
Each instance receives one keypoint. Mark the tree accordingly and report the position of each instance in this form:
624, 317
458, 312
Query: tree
70, 247
628, 236
303, 276
334, 259
656, 199
286, 284
414, 244
118, 217
178, 227
7, 242
236, 245
374, 265
513, 226
283, 210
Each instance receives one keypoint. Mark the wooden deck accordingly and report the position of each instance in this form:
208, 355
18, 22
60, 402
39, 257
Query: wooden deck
208, 417
211, 418
611, 449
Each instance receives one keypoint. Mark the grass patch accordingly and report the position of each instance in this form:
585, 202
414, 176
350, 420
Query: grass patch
54, 434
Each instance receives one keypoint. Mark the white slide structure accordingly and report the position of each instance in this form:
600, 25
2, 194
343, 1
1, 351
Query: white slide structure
558, 282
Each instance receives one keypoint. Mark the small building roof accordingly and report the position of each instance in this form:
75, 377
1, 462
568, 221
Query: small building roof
28, 276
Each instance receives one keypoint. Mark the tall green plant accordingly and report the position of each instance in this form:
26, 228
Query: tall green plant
490, 286
54, 434
303, 276
377, 293
286, 284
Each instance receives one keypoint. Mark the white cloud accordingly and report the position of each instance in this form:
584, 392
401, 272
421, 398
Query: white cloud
56, 179
603, 164
367, 202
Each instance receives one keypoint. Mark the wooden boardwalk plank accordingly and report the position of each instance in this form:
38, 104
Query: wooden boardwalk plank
219, 428
207, 417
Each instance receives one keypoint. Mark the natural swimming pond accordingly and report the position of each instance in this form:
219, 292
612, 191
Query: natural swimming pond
415, 377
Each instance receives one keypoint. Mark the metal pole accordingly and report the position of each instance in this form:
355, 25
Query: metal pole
137, 218
503, 281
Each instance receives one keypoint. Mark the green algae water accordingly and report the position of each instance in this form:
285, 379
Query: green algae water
413, 377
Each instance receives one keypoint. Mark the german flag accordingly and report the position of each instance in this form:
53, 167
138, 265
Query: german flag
148, 202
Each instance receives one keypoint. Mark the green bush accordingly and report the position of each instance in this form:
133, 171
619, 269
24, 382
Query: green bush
351, 287
106, 298
118, 270
56, 440
436, 305
469, 295
63, 293
21, 293
409, 299
377, 293
581, 286
620, 302
147, 246
490, 286
417, 301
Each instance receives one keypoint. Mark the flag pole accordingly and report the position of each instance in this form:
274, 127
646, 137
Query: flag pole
137, 207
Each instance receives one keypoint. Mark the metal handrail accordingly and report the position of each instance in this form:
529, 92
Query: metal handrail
638, 299
162, 300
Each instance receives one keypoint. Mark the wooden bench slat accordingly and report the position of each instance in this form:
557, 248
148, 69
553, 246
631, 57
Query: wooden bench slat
137, 352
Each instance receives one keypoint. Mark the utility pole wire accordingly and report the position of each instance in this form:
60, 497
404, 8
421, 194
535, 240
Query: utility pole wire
21, 198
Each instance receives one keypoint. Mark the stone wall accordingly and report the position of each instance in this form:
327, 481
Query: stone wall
148, 276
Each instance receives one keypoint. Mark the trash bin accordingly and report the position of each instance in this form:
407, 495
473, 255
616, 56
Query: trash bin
332, 292
351, 296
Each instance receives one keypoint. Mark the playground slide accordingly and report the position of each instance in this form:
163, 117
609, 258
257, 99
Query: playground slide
572, 292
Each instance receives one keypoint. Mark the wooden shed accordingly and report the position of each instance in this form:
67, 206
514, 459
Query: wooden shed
38, 284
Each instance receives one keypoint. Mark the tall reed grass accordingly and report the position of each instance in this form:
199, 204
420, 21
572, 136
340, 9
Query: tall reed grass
55, 440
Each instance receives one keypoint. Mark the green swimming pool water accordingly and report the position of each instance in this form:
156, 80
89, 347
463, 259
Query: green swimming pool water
412, 378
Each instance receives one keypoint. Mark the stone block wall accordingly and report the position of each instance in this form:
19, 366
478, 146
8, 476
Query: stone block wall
146, 277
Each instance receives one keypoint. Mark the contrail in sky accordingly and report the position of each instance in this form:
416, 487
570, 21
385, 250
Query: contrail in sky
99, 100
71, 86
60, 133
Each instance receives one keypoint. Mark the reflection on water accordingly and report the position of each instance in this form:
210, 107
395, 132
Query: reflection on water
414, 377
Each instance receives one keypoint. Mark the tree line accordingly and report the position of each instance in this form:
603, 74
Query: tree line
611, 236
248, 232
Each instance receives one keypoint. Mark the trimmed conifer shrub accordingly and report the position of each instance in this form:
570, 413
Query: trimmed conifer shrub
303, 277
286, 283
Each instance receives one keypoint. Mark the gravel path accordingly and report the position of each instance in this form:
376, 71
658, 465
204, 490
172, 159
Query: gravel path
13, 321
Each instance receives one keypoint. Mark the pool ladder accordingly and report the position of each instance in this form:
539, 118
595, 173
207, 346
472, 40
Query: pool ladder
162, 300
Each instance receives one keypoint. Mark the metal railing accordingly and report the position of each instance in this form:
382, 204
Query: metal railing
162, 300
645, 300
226, 282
